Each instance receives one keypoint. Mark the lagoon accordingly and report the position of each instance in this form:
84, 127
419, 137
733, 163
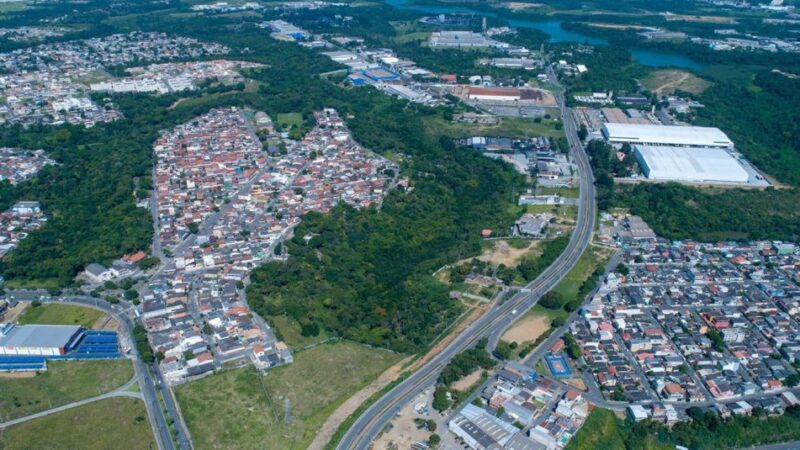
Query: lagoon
557, 34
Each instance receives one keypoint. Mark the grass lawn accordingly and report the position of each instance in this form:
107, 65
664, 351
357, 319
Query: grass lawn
289, 331
242, 409
566, 192
592, 258
512, 127
63, 382
6, 7
288, 120
110, 423
539, 310
57, 314
600, 431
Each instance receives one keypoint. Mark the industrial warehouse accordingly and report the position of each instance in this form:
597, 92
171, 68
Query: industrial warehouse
508, 94
620, 133
29, 347
701, 165
688, 154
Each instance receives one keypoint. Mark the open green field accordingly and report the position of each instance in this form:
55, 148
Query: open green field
600, 431
106, 424
566, 192
242, 409
7, 7
63, 382
592, 259
289, 331
57, 314
512, 127
287, 120
667, 81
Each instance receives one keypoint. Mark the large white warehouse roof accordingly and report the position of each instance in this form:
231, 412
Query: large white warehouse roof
666, 135
690, 164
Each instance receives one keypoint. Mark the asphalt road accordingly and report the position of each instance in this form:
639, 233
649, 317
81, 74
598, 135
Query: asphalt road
367, 427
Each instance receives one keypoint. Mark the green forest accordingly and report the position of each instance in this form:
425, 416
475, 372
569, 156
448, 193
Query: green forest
706, 432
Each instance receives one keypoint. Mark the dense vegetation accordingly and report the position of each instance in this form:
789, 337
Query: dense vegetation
676, 211
680, 212
531, 267
142, 346
706, 431
465, 363
773, 109
612, 68
365, 274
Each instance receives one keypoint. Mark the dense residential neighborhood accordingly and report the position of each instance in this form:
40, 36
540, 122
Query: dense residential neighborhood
399, 224
46, 84
223, 205
17, 222
18, 164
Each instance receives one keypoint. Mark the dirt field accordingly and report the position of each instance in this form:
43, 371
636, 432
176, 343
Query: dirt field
17, 375
467, 382
502, 253
12, 313
106, 323
404, 432
577, 383
527, 329
669, 80
705, 19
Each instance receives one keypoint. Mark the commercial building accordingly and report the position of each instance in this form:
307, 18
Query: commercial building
480, 430
40, 340
462, 39
505, 94
29, 347
701, 165
620, 133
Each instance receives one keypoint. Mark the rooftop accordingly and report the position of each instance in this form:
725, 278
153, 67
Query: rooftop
690, 164
666, 135
38, 335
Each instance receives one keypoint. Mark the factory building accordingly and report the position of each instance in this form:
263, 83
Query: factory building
698, 165
620, 133
29, 347
40, 340
505, 94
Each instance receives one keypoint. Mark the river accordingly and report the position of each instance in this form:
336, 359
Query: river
652, 58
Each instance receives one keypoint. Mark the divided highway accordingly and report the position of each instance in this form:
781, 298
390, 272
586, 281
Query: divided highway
492, 323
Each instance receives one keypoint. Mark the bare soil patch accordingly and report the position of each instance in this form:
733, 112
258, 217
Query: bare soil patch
704, 19
503, 253
17, 375
467, 382
527, 329
577, 383
404, 432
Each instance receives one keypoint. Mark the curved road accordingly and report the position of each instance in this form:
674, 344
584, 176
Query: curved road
367, 427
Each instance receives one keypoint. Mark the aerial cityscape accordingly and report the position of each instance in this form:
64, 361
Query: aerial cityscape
400, 225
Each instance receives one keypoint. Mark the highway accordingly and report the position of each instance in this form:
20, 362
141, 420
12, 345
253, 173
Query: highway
369, 425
